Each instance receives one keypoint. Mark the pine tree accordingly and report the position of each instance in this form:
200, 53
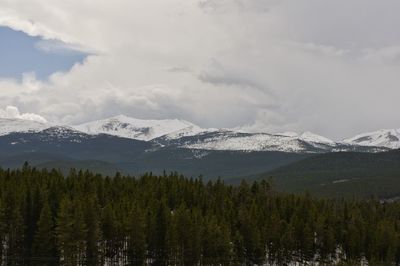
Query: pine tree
188, 234
71, 232
160, 235
110, 232
14, 232
216, 243
93, 238
2, 228
137, 238
251, 235
44, 246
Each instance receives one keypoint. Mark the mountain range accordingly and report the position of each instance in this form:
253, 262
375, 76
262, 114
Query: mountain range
188, 135
183, 134
134, 146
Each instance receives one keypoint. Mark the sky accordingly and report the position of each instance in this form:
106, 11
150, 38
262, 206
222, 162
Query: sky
330, 67
22, 55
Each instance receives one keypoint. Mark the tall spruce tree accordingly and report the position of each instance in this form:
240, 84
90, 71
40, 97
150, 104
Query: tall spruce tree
71, 232
44, 245
93, 235
217, 247
137, 245
160, 250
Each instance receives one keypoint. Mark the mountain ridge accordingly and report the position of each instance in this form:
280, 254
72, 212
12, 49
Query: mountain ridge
184, 134
389, 138
187, 149
128, 127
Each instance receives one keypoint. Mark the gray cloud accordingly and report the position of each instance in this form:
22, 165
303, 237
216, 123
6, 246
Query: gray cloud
236, 81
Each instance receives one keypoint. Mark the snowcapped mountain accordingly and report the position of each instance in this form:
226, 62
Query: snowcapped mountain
228, 140
309, 137
182, 134
50, 131
127, 127
188, 132
62, 133
13, 125
389, 138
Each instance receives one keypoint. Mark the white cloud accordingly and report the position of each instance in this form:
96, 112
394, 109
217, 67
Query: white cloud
275, 65
13, 112
59, 47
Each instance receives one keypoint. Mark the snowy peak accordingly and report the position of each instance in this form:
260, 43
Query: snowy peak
16, 125
187, 132
237, 141
309, 137
182, 134
128, 127
240, 141
389, 138
306, 136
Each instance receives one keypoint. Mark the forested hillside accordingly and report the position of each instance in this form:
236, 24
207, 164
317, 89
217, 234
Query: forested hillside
341, 174
87, 219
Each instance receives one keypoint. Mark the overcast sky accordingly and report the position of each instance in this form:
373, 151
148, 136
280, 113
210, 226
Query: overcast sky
331, 67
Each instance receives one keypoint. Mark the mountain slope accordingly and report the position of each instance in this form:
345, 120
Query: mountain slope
98, 167
65, 141
389, 138
187, 135
61, 147
229, 140
127, 127
12, 125
212, 153
209, 164
226, 140
183, 134
309, 137
350, 174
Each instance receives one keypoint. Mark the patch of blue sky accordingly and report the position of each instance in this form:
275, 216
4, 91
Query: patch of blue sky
21, 53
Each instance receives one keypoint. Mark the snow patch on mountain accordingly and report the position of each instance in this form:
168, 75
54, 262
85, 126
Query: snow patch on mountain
128, 127
64, 132
389, 138
189, 131
238, 141
309, 137
16, 125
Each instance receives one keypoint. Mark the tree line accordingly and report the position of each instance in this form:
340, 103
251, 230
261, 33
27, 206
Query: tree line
87, 219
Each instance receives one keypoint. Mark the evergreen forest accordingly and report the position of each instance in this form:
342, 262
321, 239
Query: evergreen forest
83, 218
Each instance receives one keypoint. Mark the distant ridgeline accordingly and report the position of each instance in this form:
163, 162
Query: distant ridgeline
87, 219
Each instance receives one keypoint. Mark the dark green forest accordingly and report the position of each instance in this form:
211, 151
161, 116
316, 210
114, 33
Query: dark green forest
87, 219
337, 175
